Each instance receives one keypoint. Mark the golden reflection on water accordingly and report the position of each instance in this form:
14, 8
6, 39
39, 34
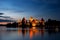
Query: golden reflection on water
19, 31
32, 32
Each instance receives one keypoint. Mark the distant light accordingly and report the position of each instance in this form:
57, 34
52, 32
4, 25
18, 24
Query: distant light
33, 24
33, 27
31, 19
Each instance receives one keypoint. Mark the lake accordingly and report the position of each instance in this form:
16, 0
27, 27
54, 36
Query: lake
28, 34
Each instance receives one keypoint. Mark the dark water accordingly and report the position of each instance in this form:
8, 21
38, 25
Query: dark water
31, 34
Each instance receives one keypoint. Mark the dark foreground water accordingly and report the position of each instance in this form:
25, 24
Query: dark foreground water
28, 34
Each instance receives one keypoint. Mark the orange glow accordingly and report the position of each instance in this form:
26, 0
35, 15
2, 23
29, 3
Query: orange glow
33, 27
31, 34
19, 31
33, 24
31, 19
4, 23
19, 20
36, 21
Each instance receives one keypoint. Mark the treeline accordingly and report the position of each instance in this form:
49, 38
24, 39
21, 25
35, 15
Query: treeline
49, 24
13, 25
52, 24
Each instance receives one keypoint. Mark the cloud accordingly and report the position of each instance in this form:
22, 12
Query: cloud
6, 19
1, 13
5, 16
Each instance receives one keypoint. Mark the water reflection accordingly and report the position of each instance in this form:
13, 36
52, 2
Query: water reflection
30, 34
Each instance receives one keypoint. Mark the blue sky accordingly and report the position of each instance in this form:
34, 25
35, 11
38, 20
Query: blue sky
26, 8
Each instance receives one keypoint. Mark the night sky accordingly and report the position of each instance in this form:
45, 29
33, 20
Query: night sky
25, 8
